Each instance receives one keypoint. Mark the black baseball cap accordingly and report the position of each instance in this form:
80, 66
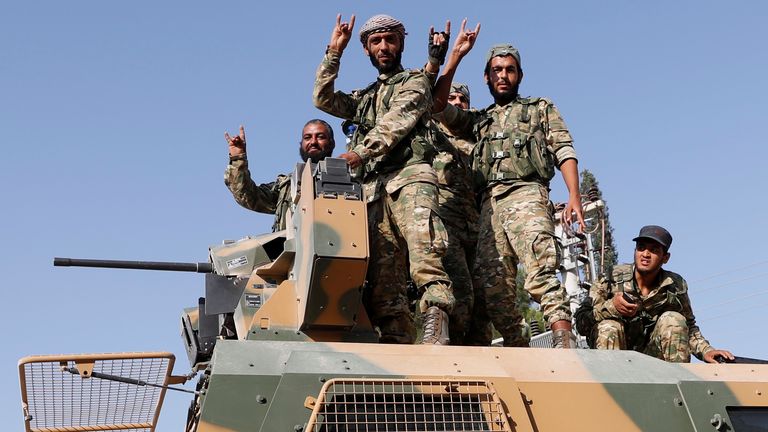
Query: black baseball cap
657, 234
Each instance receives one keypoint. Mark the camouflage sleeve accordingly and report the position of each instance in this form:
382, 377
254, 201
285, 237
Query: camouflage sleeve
602, 300
408, 104
324, 95
558, 137
699, 345
259, 198
460, 122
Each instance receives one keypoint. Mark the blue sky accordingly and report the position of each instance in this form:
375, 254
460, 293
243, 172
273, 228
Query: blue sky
112, 117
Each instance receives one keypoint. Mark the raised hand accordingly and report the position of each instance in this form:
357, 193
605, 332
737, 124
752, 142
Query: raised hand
438, 44
465, 39
341, 34
236, 144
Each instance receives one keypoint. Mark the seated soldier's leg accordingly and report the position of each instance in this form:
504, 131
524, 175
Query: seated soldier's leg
669, 339
385, 299
494, 274
610, 335
527, 219
414, 208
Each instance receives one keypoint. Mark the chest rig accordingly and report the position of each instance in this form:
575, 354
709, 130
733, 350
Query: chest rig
416, 147
515, 150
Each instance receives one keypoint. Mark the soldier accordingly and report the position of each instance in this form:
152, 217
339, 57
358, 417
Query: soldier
646, 308
457, 209
520, 142
316, 144
393, 147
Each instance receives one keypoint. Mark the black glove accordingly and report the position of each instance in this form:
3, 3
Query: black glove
437, 52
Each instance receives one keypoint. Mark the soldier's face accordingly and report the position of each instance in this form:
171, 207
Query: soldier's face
458, 100
316, 142
649, 256
385, 50
503, 78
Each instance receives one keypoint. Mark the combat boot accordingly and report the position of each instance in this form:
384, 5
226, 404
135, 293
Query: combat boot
564, 338
435, 327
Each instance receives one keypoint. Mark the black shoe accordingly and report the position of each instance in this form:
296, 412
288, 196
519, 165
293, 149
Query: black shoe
435, 327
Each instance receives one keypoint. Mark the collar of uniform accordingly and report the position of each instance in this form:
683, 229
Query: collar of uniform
388, 75
663, 280
518, 99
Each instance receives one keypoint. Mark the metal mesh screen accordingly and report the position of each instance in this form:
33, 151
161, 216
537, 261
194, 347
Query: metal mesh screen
407, 405
57, 400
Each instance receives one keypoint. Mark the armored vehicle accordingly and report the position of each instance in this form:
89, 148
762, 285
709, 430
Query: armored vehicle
281, 342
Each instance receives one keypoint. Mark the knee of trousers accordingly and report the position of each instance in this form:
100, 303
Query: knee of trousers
610, 335
673, 321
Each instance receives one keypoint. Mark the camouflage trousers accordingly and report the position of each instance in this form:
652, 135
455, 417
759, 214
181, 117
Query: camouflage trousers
461, 226
406, 236
668, 341
518, 227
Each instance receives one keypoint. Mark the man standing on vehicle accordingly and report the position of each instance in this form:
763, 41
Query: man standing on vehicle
646, 308
520, 143
457, 209
316, 144
392, 146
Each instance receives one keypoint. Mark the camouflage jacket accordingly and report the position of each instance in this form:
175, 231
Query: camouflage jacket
272, 198
502, 132
452, 165
671, 294
391, 116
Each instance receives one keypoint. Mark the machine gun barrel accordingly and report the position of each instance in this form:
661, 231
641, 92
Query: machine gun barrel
137, 265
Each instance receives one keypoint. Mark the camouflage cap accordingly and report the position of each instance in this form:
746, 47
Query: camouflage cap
655, 233
457, 87
381, 23
502, 50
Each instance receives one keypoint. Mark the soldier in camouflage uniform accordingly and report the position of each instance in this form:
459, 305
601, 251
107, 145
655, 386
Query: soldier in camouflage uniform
646, 308
458, 211
393, 147
316, 144
520, 141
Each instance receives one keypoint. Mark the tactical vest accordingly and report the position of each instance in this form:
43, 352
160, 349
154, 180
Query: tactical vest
518, 152
416, 147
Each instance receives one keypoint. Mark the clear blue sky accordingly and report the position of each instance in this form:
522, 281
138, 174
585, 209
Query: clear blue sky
112, 116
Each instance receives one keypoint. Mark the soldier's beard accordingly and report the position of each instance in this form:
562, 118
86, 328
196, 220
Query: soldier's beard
316, 157
503, 98
386, 68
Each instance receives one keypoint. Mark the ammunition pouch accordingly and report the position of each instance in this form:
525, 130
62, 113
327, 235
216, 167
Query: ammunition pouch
415, 148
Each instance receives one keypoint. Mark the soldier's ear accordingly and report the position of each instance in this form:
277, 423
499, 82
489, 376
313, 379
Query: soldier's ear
666, 257
365, 49
519, 80
485, 75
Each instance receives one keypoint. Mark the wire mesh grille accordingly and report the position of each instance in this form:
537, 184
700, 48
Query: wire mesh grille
407, 405
60, 401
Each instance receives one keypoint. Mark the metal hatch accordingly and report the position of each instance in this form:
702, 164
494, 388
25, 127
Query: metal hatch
61, 393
